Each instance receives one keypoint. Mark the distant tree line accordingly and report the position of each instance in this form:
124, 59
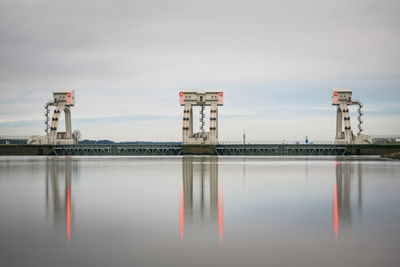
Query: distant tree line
15, 142
109, 142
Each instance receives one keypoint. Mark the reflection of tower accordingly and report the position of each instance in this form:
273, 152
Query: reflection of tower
61, 201
343, 192
201, 203
342, 198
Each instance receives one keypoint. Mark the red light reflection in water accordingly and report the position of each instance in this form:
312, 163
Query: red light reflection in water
220, 214
335, 213
68, 214
335, 162
181, 218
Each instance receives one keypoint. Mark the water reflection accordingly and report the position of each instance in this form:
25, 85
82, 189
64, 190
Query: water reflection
201, 198
58, 199
124, 211
343, 207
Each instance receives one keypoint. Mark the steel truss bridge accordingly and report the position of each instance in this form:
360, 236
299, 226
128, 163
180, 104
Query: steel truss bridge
118, 150
281, 150
228, 150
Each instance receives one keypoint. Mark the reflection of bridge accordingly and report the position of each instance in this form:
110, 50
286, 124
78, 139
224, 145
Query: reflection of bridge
201, 201
240, 150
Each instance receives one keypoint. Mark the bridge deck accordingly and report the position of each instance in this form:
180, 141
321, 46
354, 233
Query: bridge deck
173, 150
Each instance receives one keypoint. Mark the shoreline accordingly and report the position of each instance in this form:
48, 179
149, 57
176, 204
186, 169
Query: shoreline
395, 156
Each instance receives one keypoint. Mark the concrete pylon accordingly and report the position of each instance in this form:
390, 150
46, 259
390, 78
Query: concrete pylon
342, 98
63, 101
189, 99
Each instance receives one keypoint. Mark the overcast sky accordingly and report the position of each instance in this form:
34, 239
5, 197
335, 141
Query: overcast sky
276, 61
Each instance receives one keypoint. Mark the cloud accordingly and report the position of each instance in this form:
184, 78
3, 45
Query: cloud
273, 59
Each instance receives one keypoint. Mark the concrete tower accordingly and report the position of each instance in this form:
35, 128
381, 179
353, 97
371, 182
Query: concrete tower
342, 98
188, 99
63, 101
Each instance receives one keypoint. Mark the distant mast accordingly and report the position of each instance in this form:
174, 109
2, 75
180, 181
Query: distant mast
244, 136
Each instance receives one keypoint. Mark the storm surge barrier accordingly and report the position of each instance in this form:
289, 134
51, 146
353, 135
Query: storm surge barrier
221, 149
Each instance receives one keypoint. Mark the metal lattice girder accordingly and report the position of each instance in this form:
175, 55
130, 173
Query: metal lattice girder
118, 150
250, 150
281, 149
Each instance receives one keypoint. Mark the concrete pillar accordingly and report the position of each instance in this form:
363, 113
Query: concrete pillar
347, 126
54, 123
191, 121
68, 128
213, 124
339, 127
187, 122
216, 124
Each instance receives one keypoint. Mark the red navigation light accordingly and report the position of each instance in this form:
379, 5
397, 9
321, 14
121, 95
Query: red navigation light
335, 93
68, 94
335, 99
180, 93
221, 94
68, 100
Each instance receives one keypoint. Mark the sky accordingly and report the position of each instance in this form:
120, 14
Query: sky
275, 61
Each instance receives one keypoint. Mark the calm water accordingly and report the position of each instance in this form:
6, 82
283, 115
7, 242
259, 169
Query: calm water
199, 211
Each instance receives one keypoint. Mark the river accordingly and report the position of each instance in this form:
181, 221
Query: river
199, 211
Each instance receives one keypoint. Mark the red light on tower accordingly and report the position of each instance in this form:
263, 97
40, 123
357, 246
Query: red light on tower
335, 93
221, 93
180, 93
